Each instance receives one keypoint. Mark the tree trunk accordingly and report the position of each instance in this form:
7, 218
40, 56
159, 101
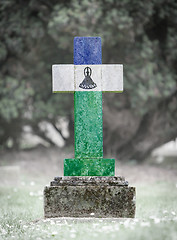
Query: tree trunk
135, 137
70, 141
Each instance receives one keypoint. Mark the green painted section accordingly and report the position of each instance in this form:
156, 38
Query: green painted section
88, 127
89, 167
88, 124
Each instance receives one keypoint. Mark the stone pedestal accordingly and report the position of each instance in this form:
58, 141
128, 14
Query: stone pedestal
89, 197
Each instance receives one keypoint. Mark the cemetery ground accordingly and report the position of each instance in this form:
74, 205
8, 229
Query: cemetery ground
24, 174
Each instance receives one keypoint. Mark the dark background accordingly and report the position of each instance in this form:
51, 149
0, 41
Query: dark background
141, 35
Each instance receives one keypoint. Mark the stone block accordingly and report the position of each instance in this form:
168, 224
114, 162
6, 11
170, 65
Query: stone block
105, 197
89, 167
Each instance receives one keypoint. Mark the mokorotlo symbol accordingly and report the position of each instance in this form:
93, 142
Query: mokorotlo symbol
87, 83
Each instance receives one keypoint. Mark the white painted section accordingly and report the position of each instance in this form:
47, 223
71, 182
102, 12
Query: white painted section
63, 78
112, 78
67, 77
95, 76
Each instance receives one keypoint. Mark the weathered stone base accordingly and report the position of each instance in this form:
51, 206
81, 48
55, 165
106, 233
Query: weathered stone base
89, 197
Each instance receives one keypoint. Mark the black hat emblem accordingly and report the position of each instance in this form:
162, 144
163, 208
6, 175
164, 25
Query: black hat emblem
87, 83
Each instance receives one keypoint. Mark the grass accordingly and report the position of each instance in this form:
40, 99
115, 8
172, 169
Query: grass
21, 201
21, 216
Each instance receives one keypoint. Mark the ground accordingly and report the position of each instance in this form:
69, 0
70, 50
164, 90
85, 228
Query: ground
24, 174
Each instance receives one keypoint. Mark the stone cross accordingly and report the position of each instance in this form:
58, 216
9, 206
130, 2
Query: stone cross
87, 78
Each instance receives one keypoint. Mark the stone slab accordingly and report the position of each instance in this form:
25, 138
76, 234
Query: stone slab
89, 167
94, 200
88, 180
71, 220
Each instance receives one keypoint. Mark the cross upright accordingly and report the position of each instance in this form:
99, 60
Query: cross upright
87, 78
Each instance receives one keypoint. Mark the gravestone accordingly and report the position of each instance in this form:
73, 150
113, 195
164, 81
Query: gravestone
88, 187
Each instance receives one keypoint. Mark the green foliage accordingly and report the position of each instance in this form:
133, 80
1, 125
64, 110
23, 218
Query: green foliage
35, 34
126, 30
15, 95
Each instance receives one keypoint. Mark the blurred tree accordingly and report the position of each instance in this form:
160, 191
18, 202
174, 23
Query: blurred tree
141, 35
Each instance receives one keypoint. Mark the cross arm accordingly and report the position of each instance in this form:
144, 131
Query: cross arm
106, 77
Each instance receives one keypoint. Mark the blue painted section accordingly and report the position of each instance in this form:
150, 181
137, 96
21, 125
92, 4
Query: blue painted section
87, 50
